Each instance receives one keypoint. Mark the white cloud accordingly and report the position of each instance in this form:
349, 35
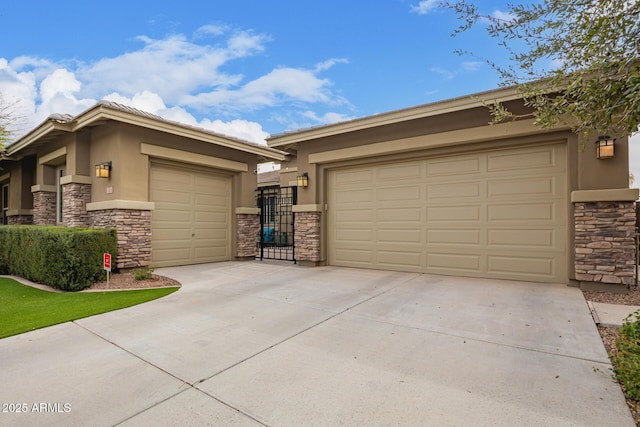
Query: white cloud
470, 67
325, 65
503, 16
57, 94
153, 103
424, 7
326, 118
448, 75
243, 129
211, 30
175, 78
279, 86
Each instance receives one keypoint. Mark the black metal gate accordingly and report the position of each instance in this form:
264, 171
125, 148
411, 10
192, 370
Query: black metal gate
276, 222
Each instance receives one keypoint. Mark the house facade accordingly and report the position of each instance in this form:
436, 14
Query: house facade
436, 189
175, 194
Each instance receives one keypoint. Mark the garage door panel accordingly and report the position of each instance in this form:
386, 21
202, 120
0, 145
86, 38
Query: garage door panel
406, 215
361, 257
525, 266
515, 238
354, 235
454, 262
355, 196
393, 259
171, 217
170, 196
356, 177
190, 222
454, 214
522, 212
467, 190
525, 188
354, 215
499, 214
398, 194
402, 236
408, 171
522, 160
457, 167
453, 237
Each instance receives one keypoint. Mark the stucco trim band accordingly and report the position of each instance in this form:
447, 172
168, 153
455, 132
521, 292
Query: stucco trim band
75, 179
43, 187
307, 208
53, 156
193, 158
247, 211
613, 195
120, 204
14, 212
436, 140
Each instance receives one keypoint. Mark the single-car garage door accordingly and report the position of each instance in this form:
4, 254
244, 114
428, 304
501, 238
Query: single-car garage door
190, 223
497, 214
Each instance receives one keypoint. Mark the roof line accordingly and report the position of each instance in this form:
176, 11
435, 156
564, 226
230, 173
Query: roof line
122, 113
396, 116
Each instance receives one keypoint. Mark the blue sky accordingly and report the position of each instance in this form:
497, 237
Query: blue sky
243, 68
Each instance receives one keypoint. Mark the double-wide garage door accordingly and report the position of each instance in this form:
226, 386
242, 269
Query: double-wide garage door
498, 214
190, 222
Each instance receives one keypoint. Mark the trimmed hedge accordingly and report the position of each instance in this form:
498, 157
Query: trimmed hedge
66, 258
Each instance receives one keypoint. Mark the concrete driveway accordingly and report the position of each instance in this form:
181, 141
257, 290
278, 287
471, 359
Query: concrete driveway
252, 344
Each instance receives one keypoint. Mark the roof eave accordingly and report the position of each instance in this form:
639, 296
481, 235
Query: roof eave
397, 116
101, 112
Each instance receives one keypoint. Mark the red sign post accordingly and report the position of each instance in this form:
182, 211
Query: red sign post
106, 262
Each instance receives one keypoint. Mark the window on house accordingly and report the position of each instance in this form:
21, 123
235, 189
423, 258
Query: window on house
5, 203
59, 174
270, 207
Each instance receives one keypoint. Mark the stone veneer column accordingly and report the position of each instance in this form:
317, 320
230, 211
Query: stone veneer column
75, 197
247, 232
133, 228
307, 235
44, 207
605, 242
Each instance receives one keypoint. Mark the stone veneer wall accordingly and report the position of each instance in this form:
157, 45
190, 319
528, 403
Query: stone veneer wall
44, 208
307, 236
248, 230
133, 229
605, 242
75, 197
20, 219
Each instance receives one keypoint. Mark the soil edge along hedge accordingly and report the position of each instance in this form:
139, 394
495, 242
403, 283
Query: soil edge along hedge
67, 258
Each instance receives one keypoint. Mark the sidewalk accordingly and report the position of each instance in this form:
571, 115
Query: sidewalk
610, 314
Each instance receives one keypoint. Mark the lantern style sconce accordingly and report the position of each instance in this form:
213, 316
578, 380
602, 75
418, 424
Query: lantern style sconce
103, 170
303, 180
605, 147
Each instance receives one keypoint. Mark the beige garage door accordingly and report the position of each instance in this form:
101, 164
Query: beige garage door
190, 222
499, 214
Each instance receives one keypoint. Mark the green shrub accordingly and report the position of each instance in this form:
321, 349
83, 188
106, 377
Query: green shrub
66, 258
143, 273
627, 358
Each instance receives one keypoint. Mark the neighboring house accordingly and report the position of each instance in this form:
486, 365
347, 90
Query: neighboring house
176, 194
436, 189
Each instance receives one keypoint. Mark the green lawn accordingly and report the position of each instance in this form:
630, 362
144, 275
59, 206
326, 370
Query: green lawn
23, 308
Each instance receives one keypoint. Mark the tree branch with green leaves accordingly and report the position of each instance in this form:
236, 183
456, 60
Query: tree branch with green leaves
575, 62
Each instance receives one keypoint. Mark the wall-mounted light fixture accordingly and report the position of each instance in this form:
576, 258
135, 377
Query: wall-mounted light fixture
103, 170
605, 147
303, 180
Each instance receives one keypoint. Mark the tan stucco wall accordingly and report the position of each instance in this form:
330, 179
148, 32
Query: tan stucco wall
21, 177
121, 144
